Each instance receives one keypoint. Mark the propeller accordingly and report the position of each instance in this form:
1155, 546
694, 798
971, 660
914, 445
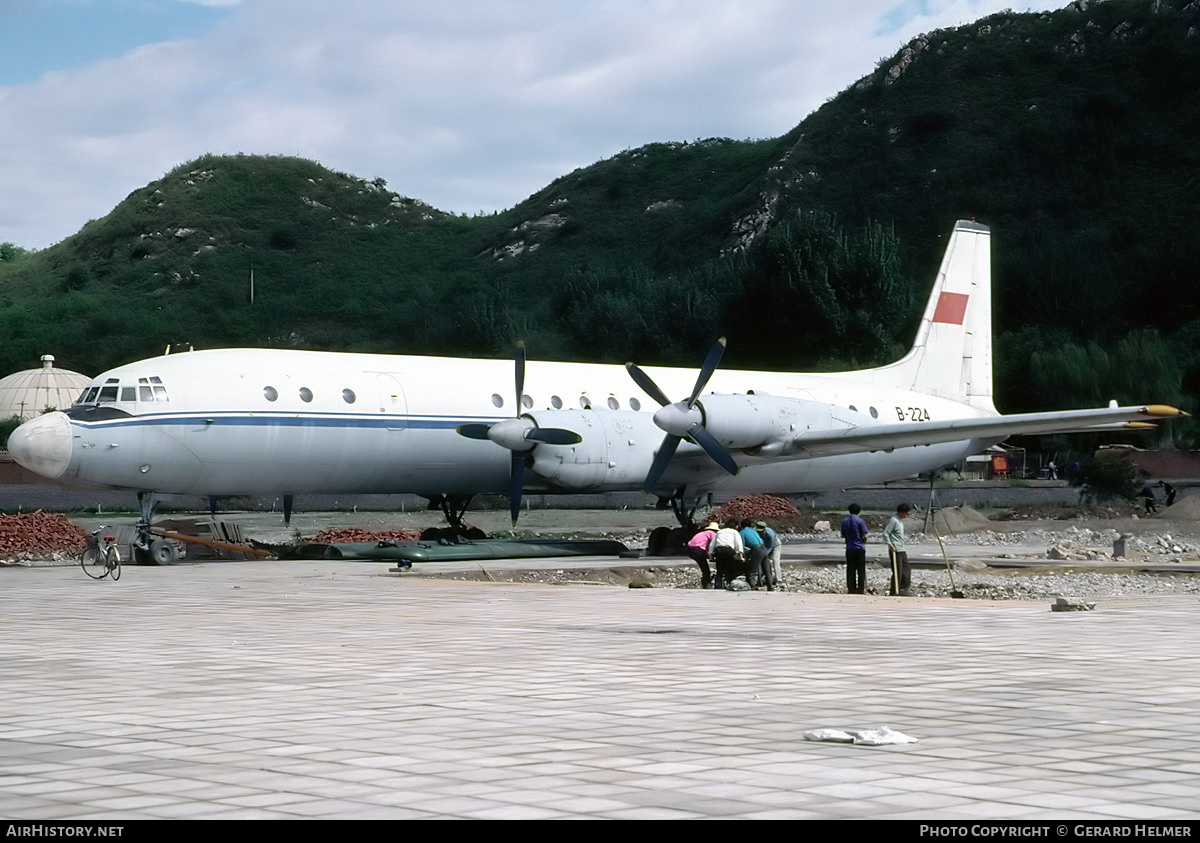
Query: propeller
683, 419
519, 435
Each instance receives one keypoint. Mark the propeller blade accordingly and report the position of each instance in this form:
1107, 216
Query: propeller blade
474, 430
706, 371
648, 386
516, 485
665, 452
520, 367
713, 448
675, 415
554, 436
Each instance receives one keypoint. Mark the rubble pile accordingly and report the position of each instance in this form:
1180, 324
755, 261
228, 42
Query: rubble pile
1162, 548
357, 535
778, 512
38, 532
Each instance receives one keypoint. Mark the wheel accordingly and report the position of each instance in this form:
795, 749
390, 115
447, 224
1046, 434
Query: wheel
114, 561
162, 553
677, 540
93, 563
656, 544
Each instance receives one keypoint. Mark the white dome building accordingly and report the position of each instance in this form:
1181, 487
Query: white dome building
26, 394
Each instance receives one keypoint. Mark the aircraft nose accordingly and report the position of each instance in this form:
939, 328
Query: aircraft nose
43, 445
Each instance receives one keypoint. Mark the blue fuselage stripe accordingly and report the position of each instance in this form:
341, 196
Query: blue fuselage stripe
308, 420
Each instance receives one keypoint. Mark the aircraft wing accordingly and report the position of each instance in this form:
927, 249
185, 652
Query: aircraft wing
886, 437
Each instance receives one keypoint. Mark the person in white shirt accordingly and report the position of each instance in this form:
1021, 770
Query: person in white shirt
727, 552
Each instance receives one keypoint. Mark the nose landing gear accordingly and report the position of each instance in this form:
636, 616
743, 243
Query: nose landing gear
146, 548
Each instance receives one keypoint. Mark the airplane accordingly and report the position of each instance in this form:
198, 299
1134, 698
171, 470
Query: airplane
257, 421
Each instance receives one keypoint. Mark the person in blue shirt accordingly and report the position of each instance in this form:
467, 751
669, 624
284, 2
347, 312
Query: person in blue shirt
756, 556
854, 531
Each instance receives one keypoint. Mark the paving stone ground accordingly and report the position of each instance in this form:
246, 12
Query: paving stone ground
333, 689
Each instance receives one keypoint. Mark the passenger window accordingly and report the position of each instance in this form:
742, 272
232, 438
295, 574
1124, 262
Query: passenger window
874, 413
585, 402
635, 404
556, 402
270, 393
305, 394
526, 402
613, 403
497, 401
348, 396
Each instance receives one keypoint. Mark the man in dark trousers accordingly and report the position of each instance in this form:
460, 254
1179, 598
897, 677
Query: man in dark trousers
893, 535
854, 531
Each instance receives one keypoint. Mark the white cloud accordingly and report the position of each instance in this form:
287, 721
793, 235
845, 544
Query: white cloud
469, 105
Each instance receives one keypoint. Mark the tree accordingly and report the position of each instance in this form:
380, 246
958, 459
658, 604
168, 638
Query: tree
7, 426
11, 252
1109, 474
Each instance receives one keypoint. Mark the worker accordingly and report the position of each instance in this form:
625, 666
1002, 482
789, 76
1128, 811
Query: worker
854, 531
697, 549
756, 557
774, 551
726, 552
893, 536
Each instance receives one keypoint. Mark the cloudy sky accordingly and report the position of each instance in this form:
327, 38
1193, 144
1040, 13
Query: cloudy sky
469, 105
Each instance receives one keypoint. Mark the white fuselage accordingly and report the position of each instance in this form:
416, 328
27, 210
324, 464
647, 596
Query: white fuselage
273, 422
262, 421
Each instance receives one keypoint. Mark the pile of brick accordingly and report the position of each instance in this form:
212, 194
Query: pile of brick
777, 512
39, 532
351, 535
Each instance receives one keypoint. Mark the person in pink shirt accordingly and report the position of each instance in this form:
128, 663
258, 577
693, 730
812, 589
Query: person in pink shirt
697, 549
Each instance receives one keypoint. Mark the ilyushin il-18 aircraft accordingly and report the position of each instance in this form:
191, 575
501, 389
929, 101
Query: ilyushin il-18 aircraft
252, 421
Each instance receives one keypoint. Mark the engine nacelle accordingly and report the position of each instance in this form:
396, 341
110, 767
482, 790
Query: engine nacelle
769, 422
616, 450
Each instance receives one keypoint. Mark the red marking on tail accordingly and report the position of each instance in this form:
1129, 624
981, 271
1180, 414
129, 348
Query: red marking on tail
951, 308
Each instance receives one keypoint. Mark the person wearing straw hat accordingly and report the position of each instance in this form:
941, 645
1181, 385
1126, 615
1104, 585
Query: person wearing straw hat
697, 549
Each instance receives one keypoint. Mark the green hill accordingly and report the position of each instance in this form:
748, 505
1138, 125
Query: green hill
1071, 133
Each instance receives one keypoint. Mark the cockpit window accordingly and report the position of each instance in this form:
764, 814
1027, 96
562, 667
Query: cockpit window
150, 389
147, 390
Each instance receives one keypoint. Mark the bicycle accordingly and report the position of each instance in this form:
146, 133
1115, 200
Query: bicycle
100, 556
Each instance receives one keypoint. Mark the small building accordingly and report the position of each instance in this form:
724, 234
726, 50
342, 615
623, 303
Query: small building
27, 394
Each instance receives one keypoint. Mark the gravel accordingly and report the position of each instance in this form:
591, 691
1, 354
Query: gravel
1071, 546
1081, 586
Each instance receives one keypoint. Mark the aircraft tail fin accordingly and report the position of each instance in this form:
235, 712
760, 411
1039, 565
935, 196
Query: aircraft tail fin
952, 354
